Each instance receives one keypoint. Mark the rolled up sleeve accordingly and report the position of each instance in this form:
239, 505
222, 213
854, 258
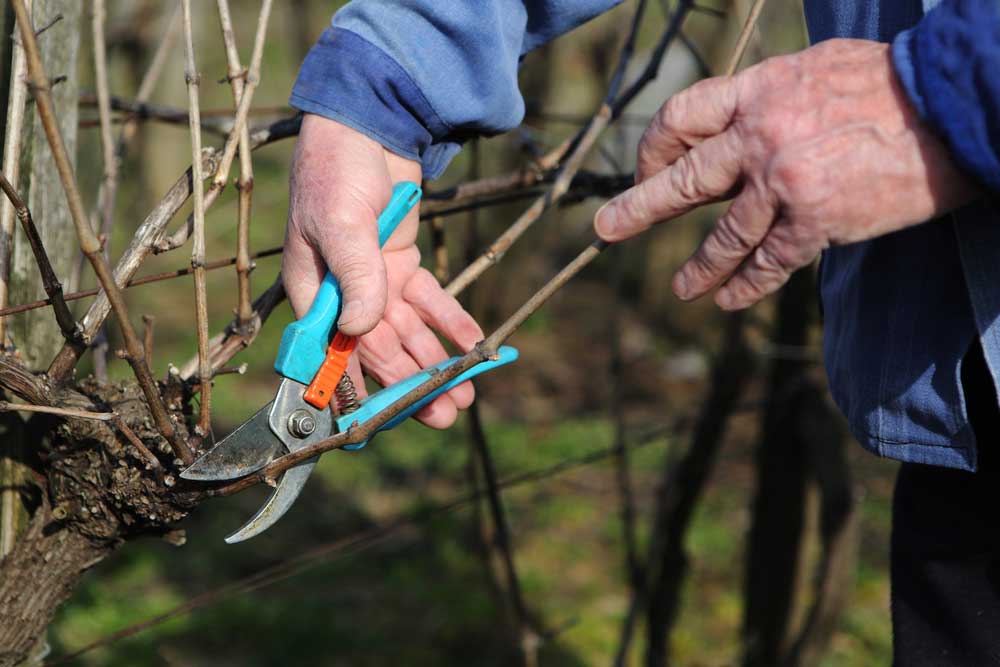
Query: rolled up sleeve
421, 77
949, 64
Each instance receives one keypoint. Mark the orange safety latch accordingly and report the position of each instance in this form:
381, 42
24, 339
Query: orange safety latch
324, 385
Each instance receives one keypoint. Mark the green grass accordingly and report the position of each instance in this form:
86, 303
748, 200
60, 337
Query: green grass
422, 596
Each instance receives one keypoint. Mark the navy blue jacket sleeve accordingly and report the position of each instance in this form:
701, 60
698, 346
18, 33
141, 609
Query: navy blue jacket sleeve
422, 76
949, 64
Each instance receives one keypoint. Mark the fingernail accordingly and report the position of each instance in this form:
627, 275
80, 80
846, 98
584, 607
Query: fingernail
725, 298
681, 286
352, 311
605, 220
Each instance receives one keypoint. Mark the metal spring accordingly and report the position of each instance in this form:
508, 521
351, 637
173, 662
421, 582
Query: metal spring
346, 396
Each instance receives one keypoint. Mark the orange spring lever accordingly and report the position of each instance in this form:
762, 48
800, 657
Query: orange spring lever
323, 386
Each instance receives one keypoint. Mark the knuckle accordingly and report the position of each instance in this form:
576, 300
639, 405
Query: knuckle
772, 260
686, 178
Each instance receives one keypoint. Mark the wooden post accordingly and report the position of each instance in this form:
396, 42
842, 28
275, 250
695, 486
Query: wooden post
35, 334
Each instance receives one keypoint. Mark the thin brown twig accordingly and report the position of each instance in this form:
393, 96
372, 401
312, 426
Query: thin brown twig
499, 247
244, 309
106, 194
136, 282
109, 182
7, 406
89, 244
71, 330
135, 111
149, 322
192, 78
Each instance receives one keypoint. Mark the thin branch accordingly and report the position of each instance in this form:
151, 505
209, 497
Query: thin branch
244, 309
109, 183
503, 243
135, 111
7, 406
148, 322
71, 330
744, 39
192, 78
106, 195
89, 244
528, 636
135, 282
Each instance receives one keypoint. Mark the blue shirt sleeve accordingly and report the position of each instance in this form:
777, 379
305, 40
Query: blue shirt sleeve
422, 76
949, 64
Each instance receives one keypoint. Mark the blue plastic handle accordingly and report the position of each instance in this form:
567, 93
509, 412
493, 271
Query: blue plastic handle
383, 399
303, 343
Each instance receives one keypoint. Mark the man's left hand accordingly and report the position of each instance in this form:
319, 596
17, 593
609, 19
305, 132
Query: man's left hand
820, 147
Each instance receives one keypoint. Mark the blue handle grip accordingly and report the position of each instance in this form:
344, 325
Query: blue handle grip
303, 343
383, 399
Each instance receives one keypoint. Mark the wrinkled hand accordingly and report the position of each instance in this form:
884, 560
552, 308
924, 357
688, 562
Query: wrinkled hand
820, 147
340, 181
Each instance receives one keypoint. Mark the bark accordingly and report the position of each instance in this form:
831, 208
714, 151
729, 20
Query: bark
90, 490
53, 561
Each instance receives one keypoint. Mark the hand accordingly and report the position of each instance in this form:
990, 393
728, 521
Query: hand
340, 181
821, 147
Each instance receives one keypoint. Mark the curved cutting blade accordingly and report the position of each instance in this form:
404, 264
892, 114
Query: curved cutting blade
287, 401
282, 498
247, 449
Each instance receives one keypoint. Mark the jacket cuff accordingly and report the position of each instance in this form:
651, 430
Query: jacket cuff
348, 79
942, 64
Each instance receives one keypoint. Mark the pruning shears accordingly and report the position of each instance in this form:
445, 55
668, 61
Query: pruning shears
315, 399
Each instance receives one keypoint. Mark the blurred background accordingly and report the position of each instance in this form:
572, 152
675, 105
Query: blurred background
389, 572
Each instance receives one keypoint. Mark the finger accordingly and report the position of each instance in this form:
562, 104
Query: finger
686, 119
383, 356
349, 245
768, 268
425, 348
442, 311
734, 237
703, 175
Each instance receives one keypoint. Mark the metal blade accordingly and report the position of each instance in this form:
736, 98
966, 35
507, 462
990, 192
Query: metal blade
288, 402
282, 498
247, 449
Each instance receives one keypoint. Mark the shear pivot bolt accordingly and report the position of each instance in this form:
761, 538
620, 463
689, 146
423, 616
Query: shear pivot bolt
301, 424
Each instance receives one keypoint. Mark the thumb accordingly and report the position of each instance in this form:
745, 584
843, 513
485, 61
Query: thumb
348, 244
339, 183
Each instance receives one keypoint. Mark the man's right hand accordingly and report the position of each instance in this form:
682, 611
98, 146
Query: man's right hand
340, 181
